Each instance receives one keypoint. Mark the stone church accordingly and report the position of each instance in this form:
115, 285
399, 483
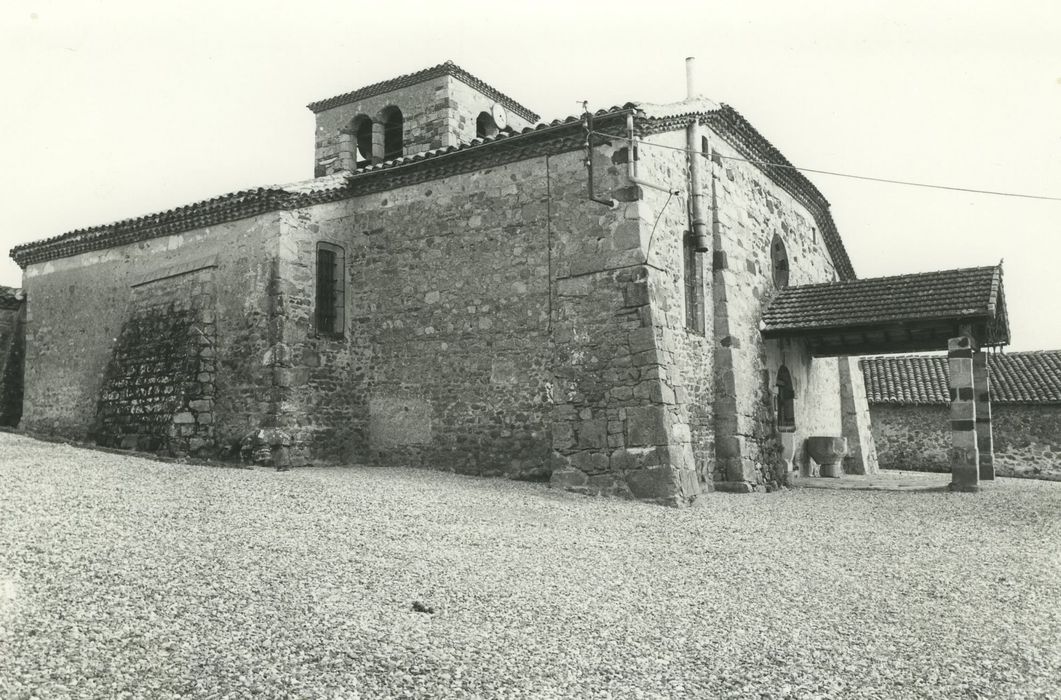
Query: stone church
646, 301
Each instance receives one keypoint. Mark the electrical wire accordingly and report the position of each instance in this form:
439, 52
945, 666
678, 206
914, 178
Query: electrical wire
848, 175
648, 248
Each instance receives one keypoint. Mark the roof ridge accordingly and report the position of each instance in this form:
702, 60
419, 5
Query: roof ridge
907, 275
1023, 377
942, 354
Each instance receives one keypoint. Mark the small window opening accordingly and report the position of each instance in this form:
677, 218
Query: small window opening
363, 141
485, 126
393, 126
331, 296
779, 262
692, 276
786, 400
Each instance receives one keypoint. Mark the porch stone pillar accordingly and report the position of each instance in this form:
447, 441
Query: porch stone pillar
985, 443
964, 456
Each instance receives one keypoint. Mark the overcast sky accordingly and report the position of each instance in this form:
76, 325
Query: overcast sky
114, 109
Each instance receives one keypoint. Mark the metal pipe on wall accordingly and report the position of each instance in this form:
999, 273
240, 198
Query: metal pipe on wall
587, 122
701, 238
631, 161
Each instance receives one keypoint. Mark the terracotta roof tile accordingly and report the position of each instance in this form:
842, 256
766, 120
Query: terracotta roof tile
964, 293
1016, 378
448, 68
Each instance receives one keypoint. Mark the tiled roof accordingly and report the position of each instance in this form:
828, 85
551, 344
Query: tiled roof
969, 293
447, 68
556, 136
1016, 378
738, 131
10, 297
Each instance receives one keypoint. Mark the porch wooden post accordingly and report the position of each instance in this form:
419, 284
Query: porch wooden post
985, 443
964, 459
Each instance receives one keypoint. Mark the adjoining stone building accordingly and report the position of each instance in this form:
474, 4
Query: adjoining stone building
909, 399
12, 346
462, 287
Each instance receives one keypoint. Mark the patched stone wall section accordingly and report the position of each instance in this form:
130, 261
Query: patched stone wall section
158, 393
77, 307
1027, 439
751, 210
12, 350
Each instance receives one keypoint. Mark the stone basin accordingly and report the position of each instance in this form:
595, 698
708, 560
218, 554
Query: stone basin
827, 451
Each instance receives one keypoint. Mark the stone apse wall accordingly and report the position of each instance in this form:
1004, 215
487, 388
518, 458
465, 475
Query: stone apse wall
916, 437
735, 371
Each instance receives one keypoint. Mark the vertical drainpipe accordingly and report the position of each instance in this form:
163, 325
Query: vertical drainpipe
701, 238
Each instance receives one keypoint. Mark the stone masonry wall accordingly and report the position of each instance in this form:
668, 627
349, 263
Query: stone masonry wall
12, 349
1027, 438
750, 211
676, 367
444, 361
498, 323
624, 425
78, 306
158, 392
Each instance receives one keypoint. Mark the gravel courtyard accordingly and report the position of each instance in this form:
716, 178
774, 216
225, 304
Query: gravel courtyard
124, 577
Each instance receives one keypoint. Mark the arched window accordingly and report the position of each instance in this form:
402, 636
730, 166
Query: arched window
779, 262
485, 126
786, 400
362, 128
393, 125
692, 278
330, 302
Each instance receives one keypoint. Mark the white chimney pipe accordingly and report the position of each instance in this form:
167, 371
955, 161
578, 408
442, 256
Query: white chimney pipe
690, 77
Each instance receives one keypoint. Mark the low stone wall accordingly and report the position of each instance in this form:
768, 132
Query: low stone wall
916, 438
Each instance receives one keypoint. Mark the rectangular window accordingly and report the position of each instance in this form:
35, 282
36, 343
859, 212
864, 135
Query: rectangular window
694, 297
330, 298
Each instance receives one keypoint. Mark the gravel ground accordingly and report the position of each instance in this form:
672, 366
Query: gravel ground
124, 577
